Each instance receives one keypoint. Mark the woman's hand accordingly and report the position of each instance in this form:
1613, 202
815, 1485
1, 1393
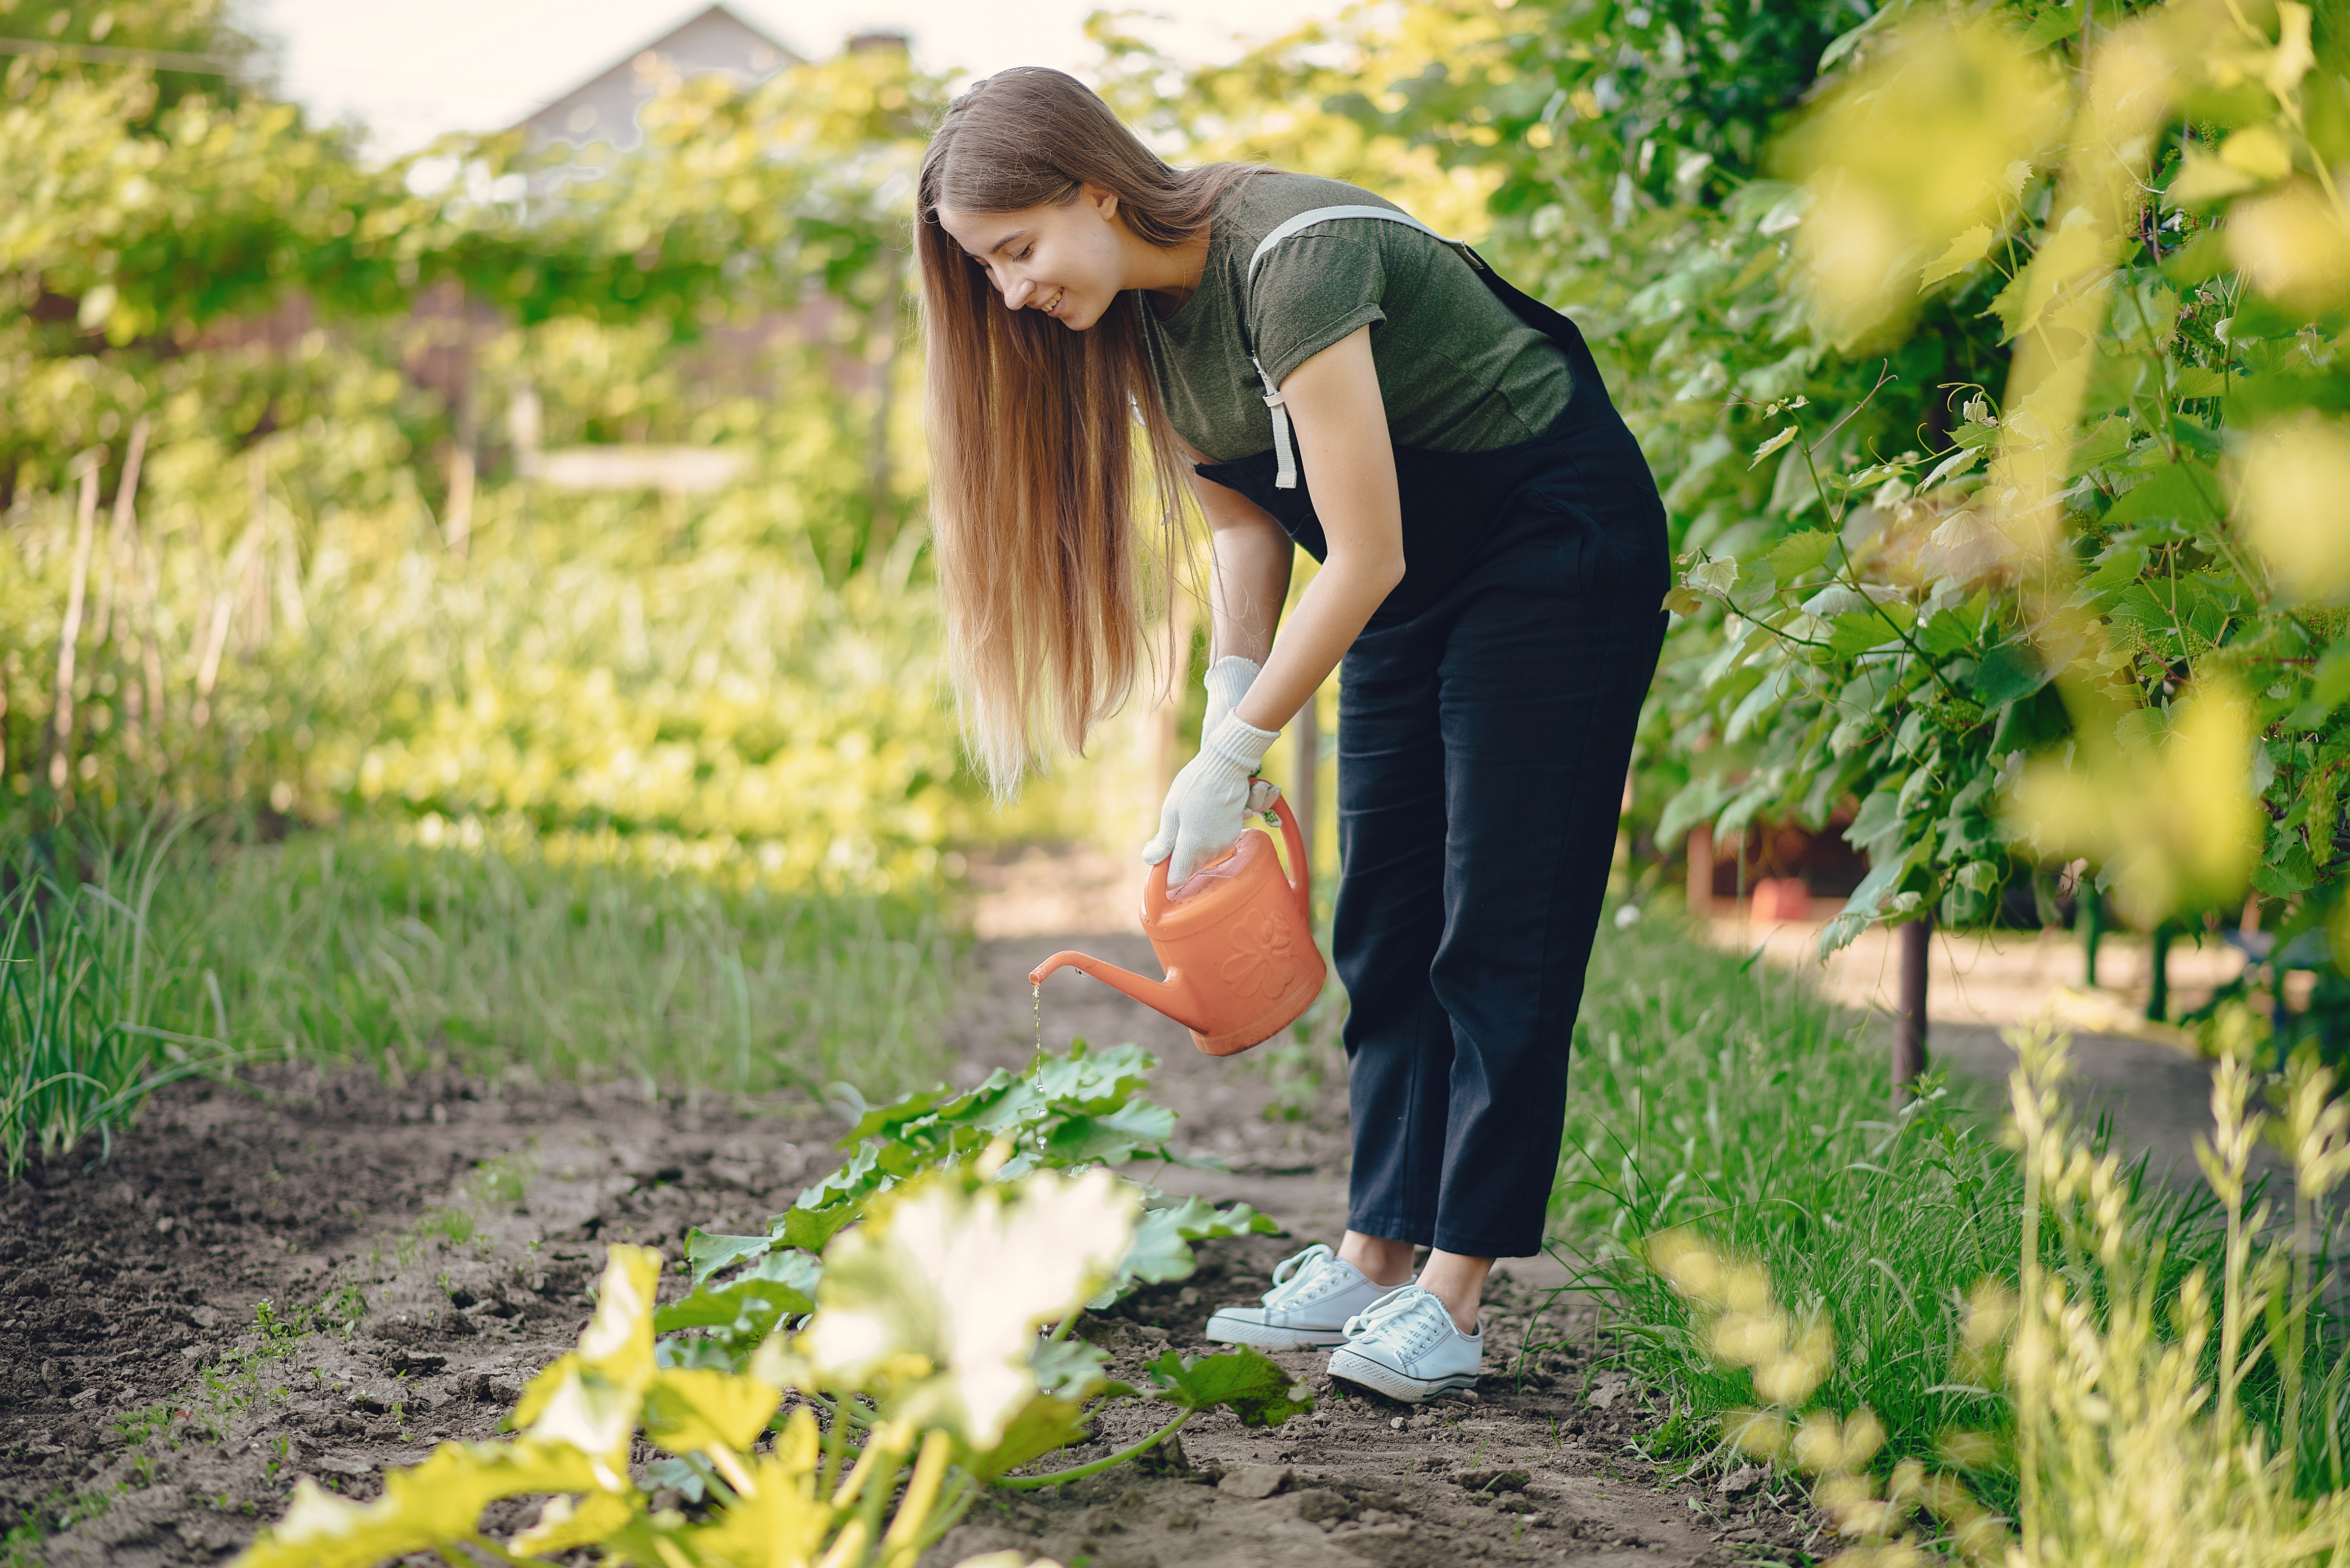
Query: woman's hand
1208, 800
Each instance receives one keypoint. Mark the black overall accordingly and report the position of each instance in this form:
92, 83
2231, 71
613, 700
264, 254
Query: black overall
1486, 723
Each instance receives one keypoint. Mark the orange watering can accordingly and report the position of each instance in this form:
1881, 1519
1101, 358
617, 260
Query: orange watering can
1236, 941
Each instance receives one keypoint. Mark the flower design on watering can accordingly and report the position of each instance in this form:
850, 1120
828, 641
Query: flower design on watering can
1261, 958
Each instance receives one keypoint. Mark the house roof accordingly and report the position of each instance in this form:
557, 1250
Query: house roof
603, 109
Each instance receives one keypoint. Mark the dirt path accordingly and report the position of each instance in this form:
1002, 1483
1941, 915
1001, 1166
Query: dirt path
423, 1249
1539, 1467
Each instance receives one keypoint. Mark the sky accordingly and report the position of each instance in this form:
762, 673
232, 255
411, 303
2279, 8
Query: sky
412, 70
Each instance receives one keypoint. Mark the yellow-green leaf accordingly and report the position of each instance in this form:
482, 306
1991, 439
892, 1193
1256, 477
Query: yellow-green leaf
690, 1410
437, 1502
1773, 445
2203, 178
564, 1525
1718, 575
779, 1521
1800, 553
1965, 250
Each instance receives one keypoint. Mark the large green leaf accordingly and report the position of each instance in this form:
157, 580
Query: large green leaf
2008, 672
1245, 1381
2188, 491
1800, 553
707, 1253
778, 1285
1162, 1250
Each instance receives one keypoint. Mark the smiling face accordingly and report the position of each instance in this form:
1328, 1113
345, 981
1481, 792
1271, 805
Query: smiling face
1069, 261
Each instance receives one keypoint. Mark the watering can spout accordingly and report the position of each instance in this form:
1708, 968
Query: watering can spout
1160, 995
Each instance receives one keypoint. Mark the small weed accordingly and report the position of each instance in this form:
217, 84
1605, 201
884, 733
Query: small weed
58, 1511
502, 1181
137, 1425
346, 1307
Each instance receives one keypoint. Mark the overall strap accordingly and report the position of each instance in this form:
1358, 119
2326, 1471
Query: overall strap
1285, 453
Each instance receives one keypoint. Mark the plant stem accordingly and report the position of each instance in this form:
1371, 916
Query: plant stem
836, 1444
483, 1543
906, 1537
1058, 1478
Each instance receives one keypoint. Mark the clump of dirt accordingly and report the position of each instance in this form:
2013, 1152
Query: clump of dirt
324, 1275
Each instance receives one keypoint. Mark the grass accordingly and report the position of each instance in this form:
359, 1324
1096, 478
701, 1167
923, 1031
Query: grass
132, 962
368, 947
82, 992
1733, 1102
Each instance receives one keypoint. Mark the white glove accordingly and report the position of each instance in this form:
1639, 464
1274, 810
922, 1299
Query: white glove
1228, 681
1209, 799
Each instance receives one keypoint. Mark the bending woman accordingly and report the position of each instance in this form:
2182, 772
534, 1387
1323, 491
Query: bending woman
1322, 372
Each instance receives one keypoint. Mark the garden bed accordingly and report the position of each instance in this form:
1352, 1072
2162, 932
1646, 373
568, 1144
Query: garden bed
155, 1414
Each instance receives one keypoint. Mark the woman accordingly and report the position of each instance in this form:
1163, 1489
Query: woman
1320, 371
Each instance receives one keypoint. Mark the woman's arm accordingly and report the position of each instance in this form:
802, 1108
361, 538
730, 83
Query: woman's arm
1251, 556
1341, 426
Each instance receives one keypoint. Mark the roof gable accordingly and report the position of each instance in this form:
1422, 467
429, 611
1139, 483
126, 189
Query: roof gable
604, 108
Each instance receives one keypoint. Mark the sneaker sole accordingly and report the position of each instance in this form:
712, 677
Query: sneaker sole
1354, 1367
1265, 1337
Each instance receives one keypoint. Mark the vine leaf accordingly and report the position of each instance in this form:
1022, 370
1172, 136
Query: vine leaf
1773, 445
2008, 673
1800, 553
1716, 576
1965, 250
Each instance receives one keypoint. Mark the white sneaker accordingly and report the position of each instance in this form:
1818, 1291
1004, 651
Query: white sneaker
1404, 1345
1313, 1295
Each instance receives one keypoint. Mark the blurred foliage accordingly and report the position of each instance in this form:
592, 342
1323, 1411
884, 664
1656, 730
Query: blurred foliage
2078, 571
1989, 357
253, 382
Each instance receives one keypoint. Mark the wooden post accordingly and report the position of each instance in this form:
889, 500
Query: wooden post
1170, 726
1305, 796
2158, 960
61, 729
2091, 917
1701, 869
1909, 1021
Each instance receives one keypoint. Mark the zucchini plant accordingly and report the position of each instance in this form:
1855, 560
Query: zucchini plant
921, 1378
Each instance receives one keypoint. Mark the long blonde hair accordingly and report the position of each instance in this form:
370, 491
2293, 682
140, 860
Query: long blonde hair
1042, 565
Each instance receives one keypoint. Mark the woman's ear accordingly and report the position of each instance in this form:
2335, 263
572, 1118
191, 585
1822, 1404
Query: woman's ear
1103, 200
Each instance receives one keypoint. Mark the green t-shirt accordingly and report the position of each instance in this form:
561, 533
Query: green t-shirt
1458, 371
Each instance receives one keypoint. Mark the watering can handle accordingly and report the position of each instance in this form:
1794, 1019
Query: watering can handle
1301, 878
1154, 888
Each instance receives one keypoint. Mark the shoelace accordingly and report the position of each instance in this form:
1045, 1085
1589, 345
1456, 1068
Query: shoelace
1407, 1314
1299, 1278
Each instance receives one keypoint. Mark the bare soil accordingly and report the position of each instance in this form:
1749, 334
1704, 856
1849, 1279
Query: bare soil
324, 1274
